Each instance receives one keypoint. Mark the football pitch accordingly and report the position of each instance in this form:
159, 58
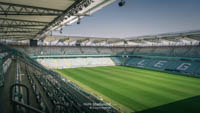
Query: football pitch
139, 90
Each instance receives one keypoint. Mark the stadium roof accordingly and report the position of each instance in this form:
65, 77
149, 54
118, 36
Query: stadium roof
190, 34
184, 38
35, 19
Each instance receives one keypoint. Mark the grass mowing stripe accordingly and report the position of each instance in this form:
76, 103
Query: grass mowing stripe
173, 77
108, 92
164, 82
168, 75
117, 84
148, 99
136, 97
173, 93
176, 82
116, 104
155, 85
127, 82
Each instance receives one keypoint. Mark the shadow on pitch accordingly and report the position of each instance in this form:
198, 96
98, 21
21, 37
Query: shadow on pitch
189, 105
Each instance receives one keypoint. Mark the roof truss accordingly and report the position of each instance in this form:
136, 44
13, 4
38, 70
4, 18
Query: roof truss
15, 36
21, 18
69, 11
5, 22
19, 29
17, 9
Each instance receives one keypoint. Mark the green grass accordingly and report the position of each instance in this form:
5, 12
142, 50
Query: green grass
139, 90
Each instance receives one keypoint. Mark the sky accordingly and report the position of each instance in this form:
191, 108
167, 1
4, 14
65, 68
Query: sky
138, 18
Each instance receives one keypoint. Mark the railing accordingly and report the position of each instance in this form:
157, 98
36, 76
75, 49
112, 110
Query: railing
27, 60
60, 106
20, 104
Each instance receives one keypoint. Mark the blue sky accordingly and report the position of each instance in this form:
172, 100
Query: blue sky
139, 17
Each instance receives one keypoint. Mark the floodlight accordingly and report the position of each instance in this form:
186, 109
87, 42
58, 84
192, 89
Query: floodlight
121, 3
79, 20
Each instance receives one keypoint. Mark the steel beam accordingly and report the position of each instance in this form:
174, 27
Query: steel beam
5, 22
17, 38
23, 27
17, 35
18, 32
7, 29
17, 9
11, 26
61, 17
14, 37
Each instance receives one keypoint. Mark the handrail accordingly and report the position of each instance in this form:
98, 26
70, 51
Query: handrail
20, 85
63, 105
27, 106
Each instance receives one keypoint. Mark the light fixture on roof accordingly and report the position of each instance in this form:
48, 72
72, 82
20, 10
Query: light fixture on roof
121, 3
65, 18
71, 13
61, 30
80, 8
79, 20
87, 3
75, 11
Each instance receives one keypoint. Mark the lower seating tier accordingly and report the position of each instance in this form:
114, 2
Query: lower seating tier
188, 67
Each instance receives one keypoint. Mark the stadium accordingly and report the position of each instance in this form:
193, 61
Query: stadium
43, 72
